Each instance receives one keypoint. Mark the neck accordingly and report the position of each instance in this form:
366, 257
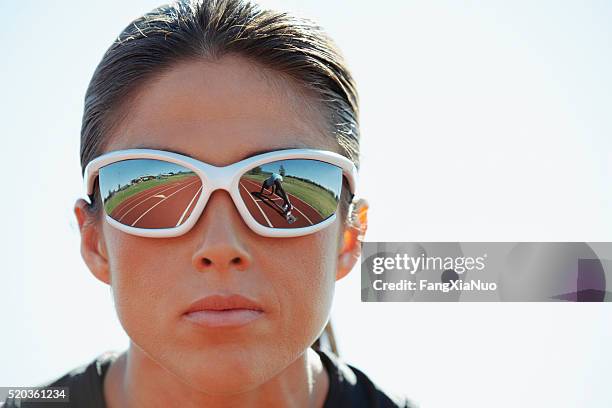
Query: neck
134, 380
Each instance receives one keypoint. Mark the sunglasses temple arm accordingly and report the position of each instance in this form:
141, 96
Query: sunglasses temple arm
86, 194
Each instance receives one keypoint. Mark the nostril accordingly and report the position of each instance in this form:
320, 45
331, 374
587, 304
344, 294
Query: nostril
235, 261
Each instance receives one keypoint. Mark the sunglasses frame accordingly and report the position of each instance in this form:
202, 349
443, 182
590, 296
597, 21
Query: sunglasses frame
220, 178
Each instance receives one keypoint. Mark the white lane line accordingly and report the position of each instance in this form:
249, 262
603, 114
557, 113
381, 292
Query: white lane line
260, 210
188, 205
307, 219
145, 199
161, 201
131, 199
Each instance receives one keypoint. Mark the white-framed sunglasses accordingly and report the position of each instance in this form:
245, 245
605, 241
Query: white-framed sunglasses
159, 194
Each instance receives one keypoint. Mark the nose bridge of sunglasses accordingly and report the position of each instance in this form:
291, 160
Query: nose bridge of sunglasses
215, 178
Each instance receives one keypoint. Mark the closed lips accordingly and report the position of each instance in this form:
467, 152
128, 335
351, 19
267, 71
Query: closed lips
219, 311
224, 302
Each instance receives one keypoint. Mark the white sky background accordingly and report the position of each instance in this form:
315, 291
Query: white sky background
481, 121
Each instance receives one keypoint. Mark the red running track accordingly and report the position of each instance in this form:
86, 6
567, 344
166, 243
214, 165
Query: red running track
169, 205
163, 206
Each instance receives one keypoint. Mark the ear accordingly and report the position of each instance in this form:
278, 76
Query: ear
354, 234
93, 248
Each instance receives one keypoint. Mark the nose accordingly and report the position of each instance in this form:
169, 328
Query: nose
222, 233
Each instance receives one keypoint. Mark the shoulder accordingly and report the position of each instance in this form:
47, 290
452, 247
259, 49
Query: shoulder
351, 387
85, 385
95, 369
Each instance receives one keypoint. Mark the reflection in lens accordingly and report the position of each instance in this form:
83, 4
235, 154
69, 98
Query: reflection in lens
149, 193
292, 193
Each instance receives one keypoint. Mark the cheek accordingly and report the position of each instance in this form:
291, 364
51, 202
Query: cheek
304, 284
141, 279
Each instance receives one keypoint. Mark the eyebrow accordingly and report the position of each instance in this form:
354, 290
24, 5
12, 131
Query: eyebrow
251, 154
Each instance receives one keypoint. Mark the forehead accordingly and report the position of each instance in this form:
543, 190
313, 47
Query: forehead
221, 112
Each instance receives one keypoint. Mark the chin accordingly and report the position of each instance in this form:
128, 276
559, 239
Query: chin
224, 368
222, 374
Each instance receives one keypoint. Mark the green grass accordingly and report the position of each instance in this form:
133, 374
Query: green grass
317, 197
122, 195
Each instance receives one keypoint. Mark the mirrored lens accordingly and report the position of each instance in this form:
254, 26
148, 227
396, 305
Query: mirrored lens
148, 193
292, 193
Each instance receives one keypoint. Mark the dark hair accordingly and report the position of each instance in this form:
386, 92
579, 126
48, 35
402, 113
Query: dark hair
296, 48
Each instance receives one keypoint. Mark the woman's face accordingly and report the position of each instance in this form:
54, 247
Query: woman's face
220, 113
